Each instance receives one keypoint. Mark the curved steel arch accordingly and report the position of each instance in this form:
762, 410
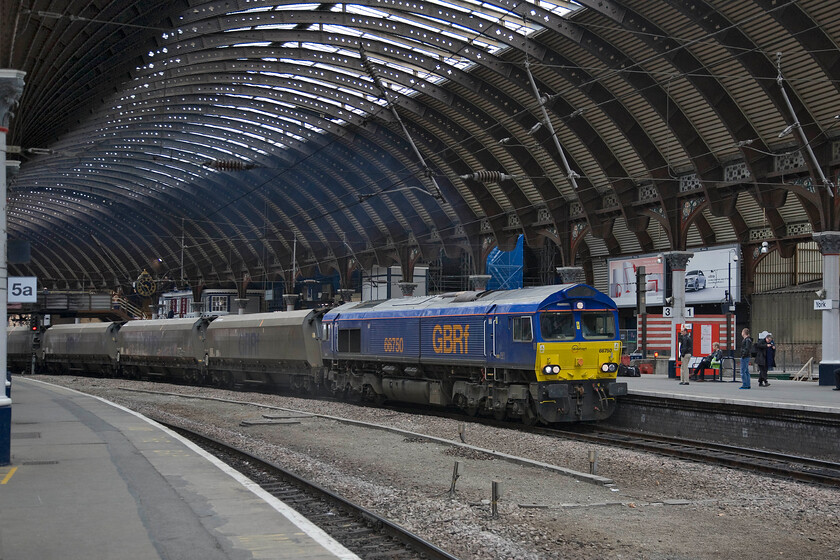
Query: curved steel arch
466, 80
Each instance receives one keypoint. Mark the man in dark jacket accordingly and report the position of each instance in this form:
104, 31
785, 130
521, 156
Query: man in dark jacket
762, 359
746, 349
686, 345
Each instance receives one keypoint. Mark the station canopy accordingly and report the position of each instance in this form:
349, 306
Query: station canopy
208, 142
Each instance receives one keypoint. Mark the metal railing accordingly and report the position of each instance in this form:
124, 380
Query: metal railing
128, 307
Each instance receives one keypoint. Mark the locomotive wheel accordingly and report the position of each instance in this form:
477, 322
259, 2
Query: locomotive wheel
473, 410
370, 396
529, 414
500, 414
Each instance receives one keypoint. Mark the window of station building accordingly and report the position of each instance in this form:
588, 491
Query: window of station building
597, 325
522, 329
218, 303
557, 326
350, 340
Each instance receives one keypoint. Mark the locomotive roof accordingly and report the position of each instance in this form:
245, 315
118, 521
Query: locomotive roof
521, 300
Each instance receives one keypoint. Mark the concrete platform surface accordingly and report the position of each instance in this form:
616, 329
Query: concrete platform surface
92, 480
793, 395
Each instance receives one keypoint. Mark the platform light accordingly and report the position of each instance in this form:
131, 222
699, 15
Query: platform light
765, 247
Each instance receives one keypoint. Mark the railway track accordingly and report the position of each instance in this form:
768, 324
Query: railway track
800, 468
803, 469
363, 532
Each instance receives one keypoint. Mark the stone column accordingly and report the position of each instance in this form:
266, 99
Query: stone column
407, 288
677, 260
241, 304
11, 88
571, 274
829, 242
479, 282
290, 300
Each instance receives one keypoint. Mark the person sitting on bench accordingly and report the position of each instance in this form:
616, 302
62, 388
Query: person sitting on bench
706, 362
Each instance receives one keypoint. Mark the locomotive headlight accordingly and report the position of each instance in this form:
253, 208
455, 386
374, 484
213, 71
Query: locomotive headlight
609, 367
555, 370
605, 367
551, 369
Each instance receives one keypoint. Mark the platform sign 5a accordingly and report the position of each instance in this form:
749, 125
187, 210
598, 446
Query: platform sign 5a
23, 289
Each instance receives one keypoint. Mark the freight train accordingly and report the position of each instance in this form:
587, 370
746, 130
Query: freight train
542, 354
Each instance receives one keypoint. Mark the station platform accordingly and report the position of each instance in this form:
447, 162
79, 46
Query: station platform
90, 479
784, 394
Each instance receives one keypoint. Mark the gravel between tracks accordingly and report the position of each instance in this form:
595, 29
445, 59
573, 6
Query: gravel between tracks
659, 508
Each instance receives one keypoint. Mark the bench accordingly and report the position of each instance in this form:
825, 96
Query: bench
701, 375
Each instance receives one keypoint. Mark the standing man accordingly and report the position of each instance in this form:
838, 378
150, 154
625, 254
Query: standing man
686, 344
763, 358
746, 348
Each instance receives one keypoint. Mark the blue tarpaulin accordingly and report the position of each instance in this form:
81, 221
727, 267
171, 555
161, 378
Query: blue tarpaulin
505, 268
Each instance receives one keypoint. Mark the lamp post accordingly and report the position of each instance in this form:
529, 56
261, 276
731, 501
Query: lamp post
729, 302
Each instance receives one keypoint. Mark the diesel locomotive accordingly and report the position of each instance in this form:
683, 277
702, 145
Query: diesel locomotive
543, 354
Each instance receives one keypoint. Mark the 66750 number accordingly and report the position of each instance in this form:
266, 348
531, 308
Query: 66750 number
394, 345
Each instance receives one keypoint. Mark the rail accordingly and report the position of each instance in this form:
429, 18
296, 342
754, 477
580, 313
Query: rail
363, 532
804, 469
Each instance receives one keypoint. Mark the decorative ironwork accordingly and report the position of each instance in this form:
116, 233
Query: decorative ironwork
690, 182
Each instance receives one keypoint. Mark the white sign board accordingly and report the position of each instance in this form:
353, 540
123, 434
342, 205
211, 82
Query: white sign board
23, 289
669, 312
622, 274
825, 304
711, 272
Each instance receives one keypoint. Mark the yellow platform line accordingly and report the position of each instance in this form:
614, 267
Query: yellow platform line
8, 475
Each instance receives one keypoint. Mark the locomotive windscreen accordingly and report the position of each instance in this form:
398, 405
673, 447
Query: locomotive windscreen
597, 324
557, 326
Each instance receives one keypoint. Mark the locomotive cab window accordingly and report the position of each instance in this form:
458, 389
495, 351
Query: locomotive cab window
522, 329
557, 326
350, 340
597, 325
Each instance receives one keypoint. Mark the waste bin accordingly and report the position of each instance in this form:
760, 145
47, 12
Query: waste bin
5, 431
